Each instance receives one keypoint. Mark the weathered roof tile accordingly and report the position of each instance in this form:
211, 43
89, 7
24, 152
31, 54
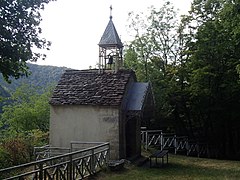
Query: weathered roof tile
88, 87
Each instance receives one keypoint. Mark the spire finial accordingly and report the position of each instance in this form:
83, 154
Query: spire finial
111, 12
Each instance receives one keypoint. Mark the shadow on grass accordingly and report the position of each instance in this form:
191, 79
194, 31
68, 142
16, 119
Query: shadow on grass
188, 171
107, 172
179, 168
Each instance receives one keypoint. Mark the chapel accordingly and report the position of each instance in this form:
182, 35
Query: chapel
106, 104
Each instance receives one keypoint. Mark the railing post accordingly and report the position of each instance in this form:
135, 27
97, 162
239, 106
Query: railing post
109, 151
198, 150
146, 146
92, 166
70, 168
71, 147
41, 171
208, 153
175, 143
161, 139
36, 174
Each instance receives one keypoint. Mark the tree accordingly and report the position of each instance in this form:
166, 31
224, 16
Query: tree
28, 111
156, 55
194, 71
24, 124
214, 82
155, 36
19, 33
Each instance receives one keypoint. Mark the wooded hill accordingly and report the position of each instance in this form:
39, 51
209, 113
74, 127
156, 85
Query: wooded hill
41, 76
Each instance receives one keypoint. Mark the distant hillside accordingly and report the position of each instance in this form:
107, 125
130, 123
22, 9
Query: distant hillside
40, 76
3, 92
3, 101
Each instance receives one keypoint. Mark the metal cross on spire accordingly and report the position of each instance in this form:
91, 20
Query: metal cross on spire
111, 12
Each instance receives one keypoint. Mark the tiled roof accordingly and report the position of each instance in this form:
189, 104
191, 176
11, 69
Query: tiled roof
88, 87
110, 37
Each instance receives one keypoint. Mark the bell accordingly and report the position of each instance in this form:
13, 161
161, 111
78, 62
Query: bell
110, 60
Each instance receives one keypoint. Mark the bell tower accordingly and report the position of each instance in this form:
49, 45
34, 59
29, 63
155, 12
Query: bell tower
110, 48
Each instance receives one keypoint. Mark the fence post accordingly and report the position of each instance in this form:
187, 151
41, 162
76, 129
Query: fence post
161, 141
41, 171
189, 149
71, 147
70, 168
198, 150
175, 143
146, 146
35, 168
92, 166
108, 152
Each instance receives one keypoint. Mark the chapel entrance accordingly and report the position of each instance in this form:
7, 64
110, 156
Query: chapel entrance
133, 148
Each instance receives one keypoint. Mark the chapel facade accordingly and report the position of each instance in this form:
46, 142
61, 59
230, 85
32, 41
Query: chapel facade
106, 104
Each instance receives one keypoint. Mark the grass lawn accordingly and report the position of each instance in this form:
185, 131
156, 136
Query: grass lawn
179, 168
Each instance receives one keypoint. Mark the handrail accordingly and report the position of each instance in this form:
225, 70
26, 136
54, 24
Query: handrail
170, 140
152, 131
65, 159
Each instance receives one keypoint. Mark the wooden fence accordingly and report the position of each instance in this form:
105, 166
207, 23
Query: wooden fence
77, 164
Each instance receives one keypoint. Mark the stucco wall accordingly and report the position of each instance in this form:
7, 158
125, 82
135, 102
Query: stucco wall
85, 123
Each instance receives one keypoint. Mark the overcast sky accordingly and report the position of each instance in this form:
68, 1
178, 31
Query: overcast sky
75, 27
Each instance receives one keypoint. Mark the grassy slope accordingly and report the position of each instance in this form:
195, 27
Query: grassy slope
179, 168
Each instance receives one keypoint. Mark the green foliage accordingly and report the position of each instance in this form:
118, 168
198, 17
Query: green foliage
4, 158
194, 69
155, 55
19, 34
37, 138
214, 82
3, 97
3, 93
24, 124
29, 110
41, 76
17, 150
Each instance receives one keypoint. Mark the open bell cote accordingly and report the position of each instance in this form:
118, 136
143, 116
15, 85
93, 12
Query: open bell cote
110, 48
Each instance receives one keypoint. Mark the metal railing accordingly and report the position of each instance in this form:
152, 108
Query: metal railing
197, 149
73, 165
47, 151
181, 143
151, 138
170, 141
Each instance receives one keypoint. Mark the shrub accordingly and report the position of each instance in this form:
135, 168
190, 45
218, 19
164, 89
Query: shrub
4, 158
17, 150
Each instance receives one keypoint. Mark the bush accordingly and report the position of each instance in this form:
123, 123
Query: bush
17, 149
35, 138
4, 158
